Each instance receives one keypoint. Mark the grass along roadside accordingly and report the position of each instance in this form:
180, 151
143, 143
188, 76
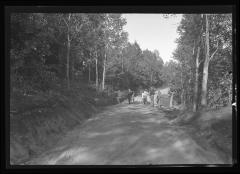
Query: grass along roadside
211, 129
38, 121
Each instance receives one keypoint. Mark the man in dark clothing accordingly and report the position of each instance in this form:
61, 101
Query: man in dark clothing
158, 98
130, 94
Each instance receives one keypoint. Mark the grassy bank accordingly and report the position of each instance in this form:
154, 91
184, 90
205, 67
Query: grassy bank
211, 129
39, 120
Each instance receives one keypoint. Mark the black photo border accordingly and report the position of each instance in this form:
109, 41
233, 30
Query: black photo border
167, 6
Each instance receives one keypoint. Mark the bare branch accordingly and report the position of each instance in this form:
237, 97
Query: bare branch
78, 28
69, 16
200, 62
65, 21
214, 52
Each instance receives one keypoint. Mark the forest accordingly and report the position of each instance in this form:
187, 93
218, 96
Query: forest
59, 49
54, 56
51, 51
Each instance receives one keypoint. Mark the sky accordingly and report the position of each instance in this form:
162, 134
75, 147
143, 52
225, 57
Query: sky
153, 31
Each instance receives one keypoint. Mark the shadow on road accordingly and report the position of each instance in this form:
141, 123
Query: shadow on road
128, 135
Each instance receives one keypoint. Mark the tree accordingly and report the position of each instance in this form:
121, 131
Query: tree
73, 23
31, 42
218, 37
201, 41
68, 46
195, 100
188, 56
112, 34
197, 64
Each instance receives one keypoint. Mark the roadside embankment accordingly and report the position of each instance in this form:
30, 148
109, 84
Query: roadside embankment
38, 121
211, 129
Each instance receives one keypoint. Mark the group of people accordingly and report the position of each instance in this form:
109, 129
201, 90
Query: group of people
151, 93
145, 94
130, 96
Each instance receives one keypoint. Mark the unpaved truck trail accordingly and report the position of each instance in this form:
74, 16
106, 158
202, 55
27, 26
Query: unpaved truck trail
123, 134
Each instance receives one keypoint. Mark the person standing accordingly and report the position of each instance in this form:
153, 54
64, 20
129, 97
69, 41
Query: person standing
158, 98
118, 96
152, 92
144, 97
130, 94
133, 93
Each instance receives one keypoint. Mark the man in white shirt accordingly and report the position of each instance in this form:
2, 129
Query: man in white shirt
144, 96
118, 96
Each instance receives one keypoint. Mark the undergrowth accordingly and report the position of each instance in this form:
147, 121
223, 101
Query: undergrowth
39, 120
210, 128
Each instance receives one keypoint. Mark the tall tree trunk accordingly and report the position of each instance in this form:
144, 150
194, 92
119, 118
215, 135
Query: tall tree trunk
104, 69
104, 72
183, 91
230, 95
72, 69
96, 71
171, 100
89, 72
68, 57
68, 49
205, 67
195, 96
122, 62
230, 91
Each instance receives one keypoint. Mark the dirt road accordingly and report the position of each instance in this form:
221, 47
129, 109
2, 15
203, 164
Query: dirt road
128, 135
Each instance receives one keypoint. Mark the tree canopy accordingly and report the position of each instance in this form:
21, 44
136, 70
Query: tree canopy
50, 50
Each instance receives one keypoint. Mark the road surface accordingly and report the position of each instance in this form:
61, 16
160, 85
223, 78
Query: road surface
123, 134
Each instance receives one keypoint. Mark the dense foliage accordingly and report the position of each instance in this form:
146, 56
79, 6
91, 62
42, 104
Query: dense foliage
186, 73
50, 51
